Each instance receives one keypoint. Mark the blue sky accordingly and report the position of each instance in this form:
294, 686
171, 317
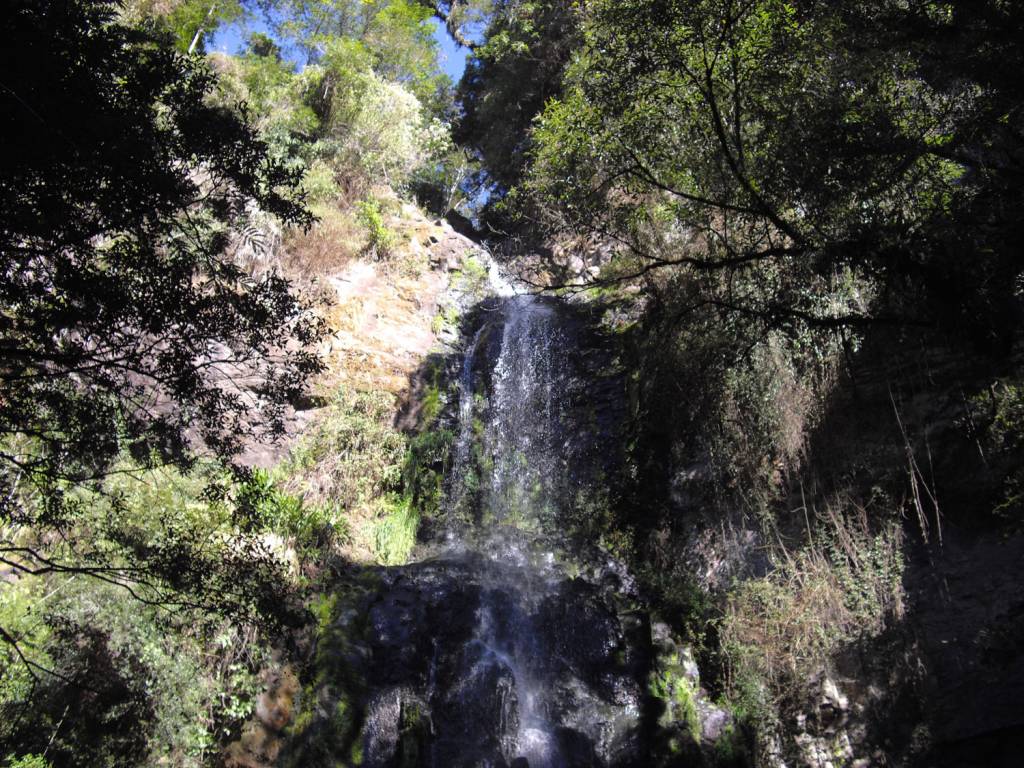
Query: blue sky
231, 39
453, 55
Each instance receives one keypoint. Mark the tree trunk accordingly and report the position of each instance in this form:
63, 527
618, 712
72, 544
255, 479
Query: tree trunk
199, 32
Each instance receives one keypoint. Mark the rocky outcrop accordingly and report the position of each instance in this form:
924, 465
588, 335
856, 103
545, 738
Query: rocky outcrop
478, 649
514, 640
385, 319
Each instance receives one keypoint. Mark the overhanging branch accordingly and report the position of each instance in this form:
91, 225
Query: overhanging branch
448, 18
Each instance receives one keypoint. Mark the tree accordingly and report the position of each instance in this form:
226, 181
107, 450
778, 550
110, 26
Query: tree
509, 79
395, 34
189, 21
805, 162
125, 327
461, 18
262, 46
98, 713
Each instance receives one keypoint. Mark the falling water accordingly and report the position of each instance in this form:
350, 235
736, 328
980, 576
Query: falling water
520, 440
456, 485
522, 435
514, 657
523, 490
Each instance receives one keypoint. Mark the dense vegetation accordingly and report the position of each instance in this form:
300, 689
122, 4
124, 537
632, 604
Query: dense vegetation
148, 336
781, 210
809, 196
788, 209
856, 147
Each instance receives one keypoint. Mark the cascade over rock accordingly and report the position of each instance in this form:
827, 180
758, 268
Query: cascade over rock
509, 642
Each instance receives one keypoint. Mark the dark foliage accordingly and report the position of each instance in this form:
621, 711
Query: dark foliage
263, 46
97, 713
791, 146
123, 323
967, 257
508, 81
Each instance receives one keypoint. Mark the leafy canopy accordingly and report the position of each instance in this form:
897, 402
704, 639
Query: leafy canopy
395, 35
189, 22
508, 81
856, 162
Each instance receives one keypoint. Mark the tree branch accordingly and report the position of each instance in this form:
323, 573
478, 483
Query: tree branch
448, 18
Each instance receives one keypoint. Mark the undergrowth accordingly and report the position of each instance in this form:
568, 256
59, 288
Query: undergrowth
350, 459
395, 532
185, 678
842, 584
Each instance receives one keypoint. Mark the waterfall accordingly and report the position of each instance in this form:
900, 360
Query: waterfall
456, 485
511, 640
520, 442
522, 435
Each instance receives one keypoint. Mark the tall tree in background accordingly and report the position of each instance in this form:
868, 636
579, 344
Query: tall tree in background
509, 79
191, 22
464, 19
395, 36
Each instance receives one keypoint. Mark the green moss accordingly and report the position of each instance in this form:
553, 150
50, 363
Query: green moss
326, 730
431, 407
356, 753
670, 683
302, 722
323, 608
731, 747
423, 472
451, 316
685, 696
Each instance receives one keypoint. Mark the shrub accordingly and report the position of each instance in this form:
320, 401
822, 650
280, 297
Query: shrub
351, 459
265, 504
319, 183
473, 279
28, 761
185, 677
97, 711
994, 419
842, 585
352, 455
373, 130
380, 239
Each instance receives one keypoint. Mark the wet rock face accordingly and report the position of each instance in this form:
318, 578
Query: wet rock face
418, 608
544, 386
520, 646
503, 663
475, 715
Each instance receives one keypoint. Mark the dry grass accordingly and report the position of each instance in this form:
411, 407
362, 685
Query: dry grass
843, 583
327, 247
765, 412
